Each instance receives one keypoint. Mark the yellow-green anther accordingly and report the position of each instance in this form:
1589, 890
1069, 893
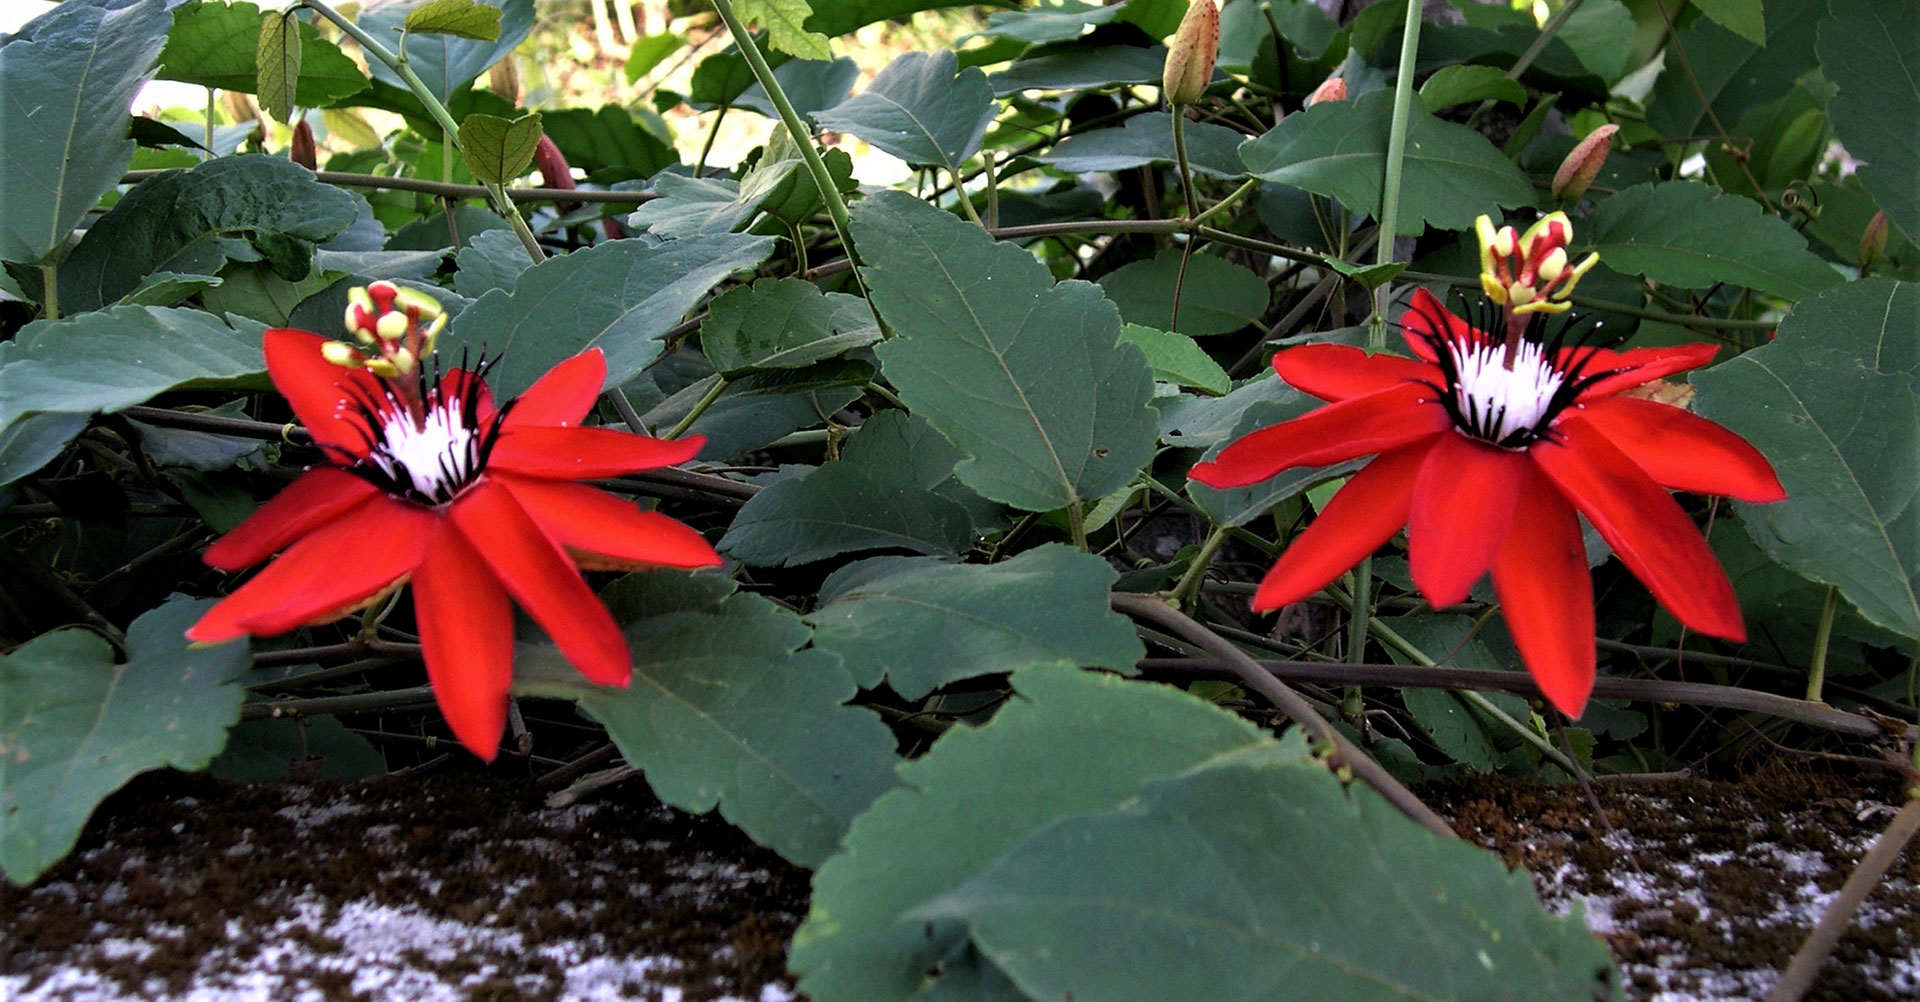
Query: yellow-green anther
341, 354
423, 306
1552, 265
404, 362
1573, 277
383, 368
391, 326
357, 296
1492, 286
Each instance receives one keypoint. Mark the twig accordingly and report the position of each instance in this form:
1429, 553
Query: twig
1806, 962
1291, 703
38, 578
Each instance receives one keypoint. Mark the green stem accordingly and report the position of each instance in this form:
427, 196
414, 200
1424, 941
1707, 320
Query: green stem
1077, 525
1226, 203
966, 201
1360, 616
1547, 32
802, 136
993, 190
1822, 639
699, 407
50, 291
208, 131
1396, 159
700, 166
1180, 154
888, 395
1189, 586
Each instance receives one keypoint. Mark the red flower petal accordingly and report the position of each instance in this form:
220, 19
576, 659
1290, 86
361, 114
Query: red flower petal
1682, 450
1637, 365
466, 633
328, 573
1645, 527
325, 397
317, 496
1427, 318
1546, 595
1361, 516
1463, 509
1334, 433
595, 522
564, 395
543, 580
1339, 372
580, 453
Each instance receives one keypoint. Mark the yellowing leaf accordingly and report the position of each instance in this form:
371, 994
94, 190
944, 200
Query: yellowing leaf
463, 18
277, 62
784, 21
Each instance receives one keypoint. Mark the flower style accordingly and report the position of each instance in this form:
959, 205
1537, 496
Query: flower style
1485, 450
429, 482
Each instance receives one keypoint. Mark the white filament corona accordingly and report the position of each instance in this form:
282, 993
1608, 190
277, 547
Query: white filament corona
438, 458
1497, 401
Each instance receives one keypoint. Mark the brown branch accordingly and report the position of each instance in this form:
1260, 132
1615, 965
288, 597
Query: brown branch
445, 190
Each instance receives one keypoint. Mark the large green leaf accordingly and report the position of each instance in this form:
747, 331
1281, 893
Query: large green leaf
1216, 296
33, 441
1026, 377
620, 296
725, 708
103, 361
1872, 51
1070, 743
1451, 173
1085, 66
445, 63
921, 108
216, 45
608, 138
67, 79
1693, 235
892, 489
1734, 74
74, 725
1259, 872
191, 222
1148, 139
783, 323
837, 17
1833, 404
922, 624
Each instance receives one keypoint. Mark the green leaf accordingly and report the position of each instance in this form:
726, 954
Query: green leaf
493, 259
724, 708
1734, 74
811, 85
461, 18
32, 441
1178, 359
1071, 742
218, 45
650, 52
104, 361
1261, 871
783, 20
1026, 377
1691, 235
608, 139
1370, 276
1742, 17
1218, 297
1213, 150
691, 205
1083, 67
1462, 732
445, 63
67, 79
1451, 174
1251, 407
764, 406
498, 150
1451, 85
834, 18
1061, 22
193, 222
783, 323
892, 489
277, 62
920, 109
622, 296
1832, 403
1872, 51
74, 725
923, 624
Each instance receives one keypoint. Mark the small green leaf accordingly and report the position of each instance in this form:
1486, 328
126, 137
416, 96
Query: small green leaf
277, 62
922, 624
1262, 870
1451, 85
1370, 276
724, 708
445, 63
1832, 404
1026, 377
650, 52
1178, 359
783, 323
1338, 149
74, 725
1872, 51
1216, 297
461, 18
921, 108
1692, 235
498, 150
72, 72
218, 45
784, 21
1070, 742
1742, 17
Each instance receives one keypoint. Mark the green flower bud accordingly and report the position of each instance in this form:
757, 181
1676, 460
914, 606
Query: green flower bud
1190, 56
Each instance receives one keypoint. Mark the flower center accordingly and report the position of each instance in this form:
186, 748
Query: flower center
432, 460
1505, 406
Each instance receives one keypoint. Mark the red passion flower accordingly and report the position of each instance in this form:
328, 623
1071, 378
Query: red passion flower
428, 481
1485, 449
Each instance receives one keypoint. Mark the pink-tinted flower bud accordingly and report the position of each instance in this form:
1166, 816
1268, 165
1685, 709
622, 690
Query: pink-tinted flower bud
1330, 89
301, 150
554, 170
1873, 240
1190, 56
1582, 165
